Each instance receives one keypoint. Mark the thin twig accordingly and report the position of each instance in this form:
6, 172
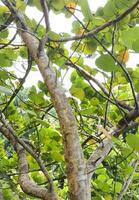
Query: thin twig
7, 44
7, 23
46, 14
21, 83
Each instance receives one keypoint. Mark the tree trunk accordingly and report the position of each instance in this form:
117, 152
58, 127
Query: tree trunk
75, 164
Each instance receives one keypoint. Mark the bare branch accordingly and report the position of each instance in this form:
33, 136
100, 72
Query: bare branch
46, 14
47, 24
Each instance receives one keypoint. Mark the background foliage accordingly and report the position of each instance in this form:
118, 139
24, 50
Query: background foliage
103, 56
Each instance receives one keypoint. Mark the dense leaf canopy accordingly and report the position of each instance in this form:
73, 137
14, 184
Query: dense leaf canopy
97, 66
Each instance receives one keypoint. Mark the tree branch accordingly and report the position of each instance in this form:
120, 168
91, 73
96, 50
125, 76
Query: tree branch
100, 28
46, 13
26, 147
116, 60
85, 74
26, 184
7, 44
103, 150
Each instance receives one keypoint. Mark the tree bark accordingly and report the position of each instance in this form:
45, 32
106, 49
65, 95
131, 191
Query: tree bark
1, 195
75, 164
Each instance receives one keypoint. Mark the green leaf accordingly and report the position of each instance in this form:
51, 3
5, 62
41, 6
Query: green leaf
90, 46
37, 177
110, 9
4, 34
73, 76
85, 9
10, 53
4, 61
100, 169
21, 5
98, 21
37, 4
80, 83
3, 75
135, 46
130, 36
102, 178
123, 3
53, 36
133, 141
88, 111
76, 27
106, 63
42, 86
118, 187
56, 155
7, 55
136, 84
31, 113
77, 92
23, 52
8, 194
94, 101
42, 122
89, 92
127, 170
103, 187
58, 4
99, 11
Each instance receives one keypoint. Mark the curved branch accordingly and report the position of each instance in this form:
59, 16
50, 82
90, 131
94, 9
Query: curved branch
28, 186
7, 44
15, 140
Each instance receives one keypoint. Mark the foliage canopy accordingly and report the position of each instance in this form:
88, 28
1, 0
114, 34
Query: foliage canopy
81, 141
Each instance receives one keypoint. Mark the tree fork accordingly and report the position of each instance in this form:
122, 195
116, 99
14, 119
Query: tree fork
76, 167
